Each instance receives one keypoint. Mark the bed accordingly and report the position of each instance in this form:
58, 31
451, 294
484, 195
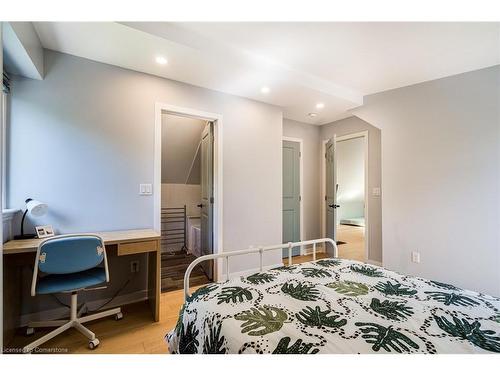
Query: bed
335, 306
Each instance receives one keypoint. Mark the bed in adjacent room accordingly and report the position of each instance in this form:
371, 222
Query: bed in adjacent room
336, 306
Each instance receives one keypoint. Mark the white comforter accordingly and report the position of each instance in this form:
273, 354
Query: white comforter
336, 306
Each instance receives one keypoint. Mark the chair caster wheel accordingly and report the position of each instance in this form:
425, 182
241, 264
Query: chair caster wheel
30, 331
93, 344
119, 316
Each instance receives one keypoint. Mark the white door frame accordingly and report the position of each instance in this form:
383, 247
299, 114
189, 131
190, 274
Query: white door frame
300, 141
161, 108
364, 135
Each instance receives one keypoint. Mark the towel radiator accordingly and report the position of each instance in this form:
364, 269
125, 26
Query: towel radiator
173, 229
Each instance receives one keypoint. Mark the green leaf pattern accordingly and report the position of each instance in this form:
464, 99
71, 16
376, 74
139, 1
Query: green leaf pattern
470, 331
335, 306
260, 278
298, 347
315, 272
393, 310
386, 338
349, 288
452, 299
395, 289
301, 291
367, 270
318, 318
234, 294
261, 321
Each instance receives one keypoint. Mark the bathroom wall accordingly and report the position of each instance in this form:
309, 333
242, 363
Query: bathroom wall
178, 195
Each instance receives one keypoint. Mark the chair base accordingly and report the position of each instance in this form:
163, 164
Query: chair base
73, 322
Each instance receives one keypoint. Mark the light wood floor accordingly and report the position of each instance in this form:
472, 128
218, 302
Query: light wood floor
354, 248
136, 334
305, 258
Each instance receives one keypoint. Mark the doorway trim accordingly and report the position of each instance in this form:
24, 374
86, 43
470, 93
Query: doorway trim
337, 138
161, 108
300, 141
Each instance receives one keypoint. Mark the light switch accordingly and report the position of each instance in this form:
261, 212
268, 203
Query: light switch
415, 257
145, 189
376, 192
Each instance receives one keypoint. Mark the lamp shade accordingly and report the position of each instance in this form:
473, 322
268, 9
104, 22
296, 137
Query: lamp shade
36, 208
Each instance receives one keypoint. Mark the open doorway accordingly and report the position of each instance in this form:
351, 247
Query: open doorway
188, 197
186, 194
346, 194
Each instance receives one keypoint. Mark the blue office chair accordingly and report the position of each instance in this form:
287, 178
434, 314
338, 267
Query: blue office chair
68, 264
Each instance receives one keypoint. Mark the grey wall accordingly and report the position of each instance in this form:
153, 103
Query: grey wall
354, 125
311, 162
82, 139
181, 137
23, 50
440, 165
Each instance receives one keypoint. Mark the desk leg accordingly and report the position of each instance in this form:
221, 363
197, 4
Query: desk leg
12, 279
154, 282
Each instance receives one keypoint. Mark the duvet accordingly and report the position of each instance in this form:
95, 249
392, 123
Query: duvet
336, 306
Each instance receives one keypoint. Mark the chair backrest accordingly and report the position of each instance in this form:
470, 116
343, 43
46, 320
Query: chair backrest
69, 254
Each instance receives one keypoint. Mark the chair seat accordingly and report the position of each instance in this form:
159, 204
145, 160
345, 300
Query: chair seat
56, 283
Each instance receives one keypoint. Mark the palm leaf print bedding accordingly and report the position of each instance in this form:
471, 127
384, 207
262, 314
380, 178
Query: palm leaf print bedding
336, 306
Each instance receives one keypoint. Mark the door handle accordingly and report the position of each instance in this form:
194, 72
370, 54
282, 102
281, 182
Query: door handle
199, 205
334, 205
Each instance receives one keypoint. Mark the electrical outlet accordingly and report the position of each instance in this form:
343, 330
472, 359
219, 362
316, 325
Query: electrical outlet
134, 266
415, 257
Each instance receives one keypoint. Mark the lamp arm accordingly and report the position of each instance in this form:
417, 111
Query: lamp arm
22, 222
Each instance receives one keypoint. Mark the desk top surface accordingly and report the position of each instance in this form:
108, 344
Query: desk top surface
110, 238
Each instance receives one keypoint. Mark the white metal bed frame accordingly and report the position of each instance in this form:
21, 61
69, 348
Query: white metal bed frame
253, 250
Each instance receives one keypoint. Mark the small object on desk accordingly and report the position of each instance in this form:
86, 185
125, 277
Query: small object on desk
35, 208
44, 231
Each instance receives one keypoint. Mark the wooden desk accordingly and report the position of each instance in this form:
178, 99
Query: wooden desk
121, 243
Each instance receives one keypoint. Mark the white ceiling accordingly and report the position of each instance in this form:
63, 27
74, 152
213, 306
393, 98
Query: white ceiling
302, 63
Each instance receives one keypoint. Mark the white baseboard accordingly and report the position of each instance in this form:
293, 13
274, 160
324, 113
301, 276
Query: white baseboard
251, 271
374, 262
63, 312
309, 249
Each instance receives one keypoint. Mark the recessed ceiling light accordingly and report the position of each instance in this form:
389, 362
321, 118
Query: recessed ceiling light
320, 105
265, 90
161, 60
312, 114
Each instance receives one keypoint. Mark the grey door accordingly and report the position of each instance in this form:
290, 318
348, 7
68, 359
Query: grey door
331, 194
291, 195
207, 200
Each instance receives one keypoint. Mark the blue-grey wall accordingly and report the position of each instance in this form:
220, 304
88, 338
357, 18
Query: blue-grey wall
82, 141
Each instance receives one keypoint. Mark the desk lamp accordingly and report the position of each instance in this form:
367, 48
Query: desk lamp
35, 208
